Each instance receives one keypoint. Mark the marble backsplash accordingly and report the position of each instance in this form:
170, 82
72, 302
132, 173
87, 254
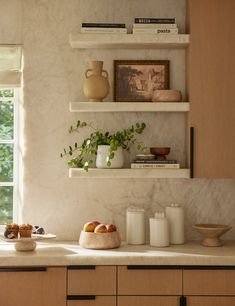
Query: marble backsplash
53, 76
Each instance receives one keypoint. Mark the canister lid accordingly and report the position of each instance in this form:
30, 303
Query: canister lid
136, 210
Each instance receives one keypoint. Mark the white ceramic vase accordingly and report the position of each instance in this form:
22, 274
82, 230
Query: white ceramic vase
103, 154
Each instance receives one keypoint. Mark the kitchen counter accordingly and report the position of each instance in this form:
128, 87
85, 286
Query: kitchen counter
65, 253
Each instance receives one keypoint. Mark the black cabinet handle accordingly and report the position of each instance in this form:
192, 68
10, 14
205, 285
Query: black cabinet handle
192, 152
81, 267
80, 297
24, 269
183, 301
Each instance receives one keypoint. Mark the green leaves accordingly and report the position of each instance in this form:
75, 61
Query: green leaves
89, 146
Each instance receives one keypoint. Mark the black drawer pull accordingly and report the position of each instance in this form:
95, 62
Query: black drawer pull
152, 267
24, 269
80, 297
81, 267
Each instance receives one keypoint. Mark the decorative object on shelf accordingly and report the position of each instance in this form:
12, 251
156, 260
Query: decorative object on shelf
146, 156
103, 153
169, 95
135, 225
211, 233
159, 230
89, 147
99, 236
134, 81
96, 85
160, 152
175, 215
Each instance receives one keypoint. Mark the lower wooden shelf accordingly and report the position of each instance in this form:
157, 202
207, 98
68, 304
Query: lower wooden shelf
129, 173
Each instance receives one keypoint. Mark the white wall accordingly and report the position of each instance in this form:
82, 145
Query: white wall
53, 76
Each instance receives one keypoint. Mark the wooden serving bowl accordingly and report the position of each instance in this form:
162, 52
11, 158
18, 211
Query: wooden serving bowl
99, 241
211, 233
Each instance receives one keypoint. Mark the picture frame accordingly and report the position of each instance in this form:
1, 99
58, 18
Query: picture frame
134, 80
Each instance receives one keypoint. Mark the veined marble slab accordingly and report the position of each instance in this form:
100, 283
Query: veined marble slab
61, 253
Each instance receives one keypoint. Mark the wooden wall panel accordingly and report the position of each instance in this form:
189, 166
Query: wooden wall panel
211, 80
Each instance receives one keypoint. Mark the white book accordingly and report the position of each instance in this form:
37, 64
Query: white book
155, 31
104, 30
154, 166
154, 26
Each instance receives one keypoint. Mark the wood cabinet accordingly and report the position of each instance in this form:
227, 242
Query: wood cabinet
97, 301
210, 301
209, 282
33, 286
148, 301
211, 79
149, 281
92, 280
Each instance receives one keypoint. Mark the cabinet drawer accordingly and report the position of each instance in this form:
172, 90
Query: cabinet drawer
209, 282
210, 301
148, 301
149, 281
98, 301
101, 280
35, 286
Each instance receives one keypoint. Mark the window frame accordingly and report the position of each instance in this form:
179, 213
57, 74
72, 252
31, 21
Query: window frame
15, 143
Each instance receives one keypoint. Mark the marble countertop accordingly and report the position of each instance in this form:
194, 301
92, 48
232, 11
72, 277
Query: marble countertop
64, 253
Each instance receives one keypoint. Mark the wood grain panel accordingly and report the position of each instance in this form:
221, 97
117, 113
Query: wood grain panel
211, 79
149, 282
100, 281
148, 301
99, 301
210, 301
33, 288
209, 282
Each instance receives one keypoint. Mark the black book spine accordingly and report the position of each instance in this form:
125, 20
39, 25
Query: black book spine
155, 20
103, 25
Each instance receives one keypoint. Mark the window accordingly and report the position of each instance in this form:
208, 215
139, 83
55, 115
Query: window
8, 153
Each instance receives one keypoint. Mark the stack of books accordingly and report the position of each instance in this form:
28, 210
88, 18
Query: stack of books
155, 164
155, 26
103, 28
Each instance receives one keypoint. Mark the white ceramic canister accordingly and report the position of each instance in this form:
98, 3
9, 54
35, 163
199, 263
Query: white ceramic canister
159, 230
135, 226
103, 154
175, 215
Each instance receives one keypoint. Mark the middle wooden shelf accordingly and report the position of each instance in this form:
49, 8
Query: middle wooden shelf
90, 107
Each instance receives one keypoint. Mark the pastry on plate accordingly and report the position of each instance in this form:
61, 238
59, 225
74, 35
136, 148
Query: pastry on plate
25, 230
11, 231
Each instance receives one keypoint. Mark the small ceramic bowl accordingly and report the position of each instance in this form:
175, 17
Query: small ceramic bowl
169, 95
160, 150
211, 233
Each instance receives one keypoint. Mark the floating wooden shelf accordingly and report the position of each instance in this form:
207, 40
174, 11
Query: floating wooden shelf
128, 41
129, 173
96, 107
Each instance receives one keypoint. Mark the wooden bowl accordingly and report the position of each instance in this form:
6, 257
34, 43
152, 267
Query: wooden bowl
99, 241
160, 150
211, 233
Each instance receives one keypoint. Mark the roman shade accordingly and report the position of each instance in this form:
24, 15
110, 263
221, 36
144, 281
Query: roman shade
10, 66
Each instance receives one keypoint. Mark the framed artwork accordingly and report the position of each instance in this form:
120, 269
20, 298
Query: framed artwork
134, 81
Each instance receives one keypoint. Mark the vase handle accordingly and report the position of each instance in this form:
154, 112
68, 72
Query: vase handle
86, 73
106, 75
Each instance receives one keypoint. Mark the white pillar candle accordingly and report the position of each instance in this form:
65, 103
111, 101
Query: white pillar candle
159, 230
175, 215
135, 226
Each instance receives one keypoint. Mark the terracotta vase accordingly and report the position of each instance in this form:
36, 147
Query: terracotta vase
96, 85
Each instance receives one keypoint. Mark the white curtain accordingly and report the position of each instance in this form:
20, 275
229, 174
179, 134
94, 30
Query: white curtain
10, 66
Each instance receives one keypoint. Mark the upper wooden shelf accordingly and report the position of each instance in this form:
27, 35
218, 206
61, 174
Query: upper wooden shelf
90, 107
129, 173
128, 41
